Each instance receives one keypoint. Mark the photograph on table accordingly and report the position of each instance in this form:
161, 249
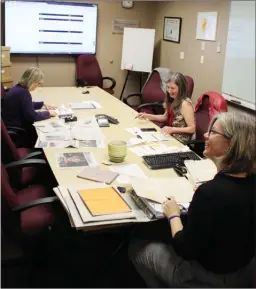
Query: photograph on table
74, 160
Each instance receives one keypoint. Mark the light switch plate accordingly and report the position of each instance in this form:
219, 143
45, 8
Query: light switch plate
181, 55
202, 59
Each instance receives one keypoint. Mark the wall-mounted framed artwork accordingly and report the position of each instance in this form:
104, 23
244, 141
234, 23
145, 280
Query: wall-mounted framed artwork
172, 29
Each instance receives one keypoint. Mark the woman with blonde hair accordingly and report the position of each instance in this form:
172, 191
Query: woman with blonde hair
216, 246
18, 109
179, 113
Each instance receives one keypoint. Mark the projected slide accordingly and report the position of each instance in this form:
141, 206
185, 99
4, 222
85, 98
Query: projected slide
40, 27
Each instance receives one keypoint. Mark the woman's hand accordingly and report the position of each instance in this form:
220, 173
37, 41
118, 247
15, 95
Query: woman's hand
143, 115
52, 113
167, 130
170, 208
50, 107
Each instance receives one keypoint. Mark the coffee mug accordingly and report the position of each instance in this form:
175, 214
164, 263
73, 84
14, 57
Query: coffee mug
117, 151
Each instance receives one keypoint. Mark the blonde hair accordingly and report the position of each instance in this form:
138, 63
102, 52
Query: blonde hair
240, 129
30, 76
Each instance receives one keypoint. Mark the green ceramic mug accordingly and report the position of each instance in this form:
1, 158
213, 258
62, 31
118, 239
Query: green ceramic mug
117, 151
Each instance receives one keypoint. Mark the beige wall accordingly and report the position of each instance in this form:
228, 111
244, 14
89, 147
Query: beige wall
60, 70
207, 76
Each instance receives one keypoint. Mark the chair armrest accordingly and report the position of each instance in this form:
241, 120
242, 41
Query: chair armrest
34, 203
81, 82
189, 142
125, 99
16, 129
25, 163
151, 105
33, 154
111, 79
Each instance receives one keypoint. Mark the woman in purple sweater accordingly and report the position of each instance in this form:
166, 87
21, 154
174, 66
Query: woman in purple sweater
18, 109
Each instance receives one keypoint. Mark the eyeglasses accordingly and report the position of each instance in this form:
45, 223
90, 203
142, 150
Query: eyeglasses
216, 132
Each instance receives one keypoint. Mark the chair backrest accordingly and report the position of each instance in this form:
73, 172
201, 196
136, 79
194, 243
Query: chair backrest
88, 69
7, 192
190, 85
202, 118
8, 149
152, 91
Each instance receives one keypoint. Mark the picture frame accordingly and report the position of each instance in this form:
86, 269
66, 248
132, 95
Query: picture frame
172, 29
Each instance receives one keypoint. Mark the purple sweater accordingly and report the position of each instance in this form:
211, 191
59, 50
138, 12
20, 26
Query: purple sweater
18, 109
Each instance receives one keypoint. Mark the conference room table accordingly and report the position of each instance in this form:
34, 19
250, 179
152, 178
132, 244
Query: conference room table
111, 106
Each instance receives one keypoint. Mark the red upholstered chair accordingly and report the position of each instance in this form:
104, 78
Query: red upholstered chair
190, 85
21, 163
202, 118
9, 151
26, 212
156, 107
88, 72
152, 94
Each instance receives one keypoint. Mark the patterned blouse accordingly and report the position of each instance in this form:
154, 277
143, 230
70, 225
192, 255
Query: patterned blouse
179, 121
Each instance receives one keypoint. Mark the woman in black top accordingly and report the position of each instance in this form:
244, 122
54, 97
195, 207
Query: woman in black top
217, 245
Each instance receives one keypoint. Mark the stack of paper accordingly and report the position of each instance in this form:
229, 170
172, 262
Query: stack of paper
90, 104
80, 216
152, 149
62, 111
201, 171
154, 136
159, 190
130, 170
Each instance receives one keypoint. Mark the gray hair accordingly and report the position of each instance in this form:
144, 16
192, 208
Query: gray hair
240, 128
180, 80
30, 76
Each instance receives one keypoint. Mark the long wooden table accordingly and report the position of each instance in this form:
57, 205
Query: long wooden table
111, 106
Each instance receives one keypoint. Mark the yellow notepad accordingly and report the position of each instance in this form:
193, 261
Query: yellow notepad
103, 201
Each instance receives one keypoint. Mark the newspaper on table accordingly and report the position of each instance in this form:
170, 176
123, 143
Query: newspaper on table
83, 133
87, 129
70, 143
75, 160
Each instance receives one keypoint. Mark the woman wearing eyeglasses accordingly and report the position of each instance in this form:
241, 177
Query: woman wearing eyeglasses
217, 245
179, 114
18, 109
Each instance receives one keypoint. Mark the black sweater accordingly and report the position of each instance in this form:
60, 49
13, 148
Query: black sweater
219, 232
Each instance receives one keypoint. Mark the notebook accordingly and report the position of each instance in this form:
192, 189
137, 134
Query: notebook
98, 175
104, 201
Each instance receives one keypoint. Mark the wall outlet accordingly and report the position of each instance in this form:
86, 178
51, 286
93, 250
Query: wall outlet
182, 55
218, 48
202, 45
202, 59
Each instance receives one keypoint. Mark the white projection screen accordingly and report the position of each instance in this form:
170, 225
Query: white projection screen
239, 70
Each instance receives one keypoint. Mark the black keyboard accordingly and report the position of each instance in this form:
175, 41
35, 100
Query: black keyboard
170, 160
